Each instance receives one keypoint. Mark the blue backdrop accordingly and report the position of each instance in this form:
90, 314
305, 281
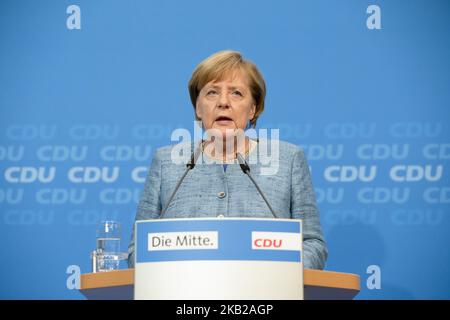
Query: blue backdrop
86, 99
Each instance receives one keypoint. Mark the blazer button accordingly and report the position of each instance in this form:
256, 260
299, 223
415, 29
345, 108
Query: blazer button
221, 194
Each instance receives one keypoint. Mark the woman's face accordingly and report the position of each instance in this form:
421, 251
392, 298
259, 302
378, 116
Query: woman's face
226, 104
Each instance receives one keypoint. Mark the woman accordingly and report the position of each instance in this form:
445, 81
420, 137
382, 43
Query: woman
227, 93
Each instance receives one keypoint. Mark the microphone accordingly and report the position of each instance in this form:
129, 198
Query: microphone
246, 169
189, 166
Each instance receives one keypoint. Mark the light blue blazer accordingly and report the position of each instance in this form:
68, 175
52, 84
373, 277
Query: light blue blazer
211, 191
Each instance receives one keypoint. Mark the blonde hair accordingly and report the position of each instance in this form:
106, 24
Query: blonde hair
220, 65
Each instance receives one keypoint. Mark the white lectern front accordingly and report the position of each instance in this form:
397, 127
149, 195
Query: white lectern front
218, 258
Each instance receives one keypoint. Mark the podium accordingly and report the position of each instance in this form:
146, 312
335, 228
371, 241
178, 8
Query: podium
318, 285
219, 259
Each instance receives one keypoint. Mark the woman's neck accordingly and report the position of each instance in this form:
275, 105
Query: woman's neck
227, 149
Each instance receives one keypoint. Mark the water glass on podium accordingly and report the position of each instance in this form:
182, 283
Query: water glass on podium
107, 255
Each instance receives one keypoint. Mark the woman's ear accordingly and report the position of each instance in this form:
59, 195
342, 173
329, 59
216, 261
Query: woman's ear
198, 111
252, 112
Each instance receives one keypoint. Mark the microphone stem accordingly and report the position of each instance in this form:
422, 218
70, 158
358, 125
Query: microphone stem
189, 166
261, 193
174, 192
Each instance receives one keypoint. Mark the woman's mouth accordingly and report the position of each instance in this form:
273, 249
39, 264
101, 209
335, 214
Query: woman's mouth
224, 121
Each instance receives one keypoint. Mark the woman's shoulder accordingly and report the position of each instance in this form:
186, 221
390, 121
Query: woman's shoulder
177, 151
286, 149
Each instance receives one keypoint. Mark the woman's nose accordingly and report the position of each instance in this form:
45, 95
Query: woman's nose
223, 101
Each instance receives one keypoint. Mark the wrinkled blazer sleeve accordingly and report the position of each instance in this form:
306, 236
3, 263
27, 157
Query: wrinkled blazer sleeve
150, 202
303, 206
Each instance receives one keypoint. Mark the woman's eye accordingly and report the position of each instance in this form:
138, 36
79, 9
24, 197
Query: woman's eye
237, 93
211, 92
